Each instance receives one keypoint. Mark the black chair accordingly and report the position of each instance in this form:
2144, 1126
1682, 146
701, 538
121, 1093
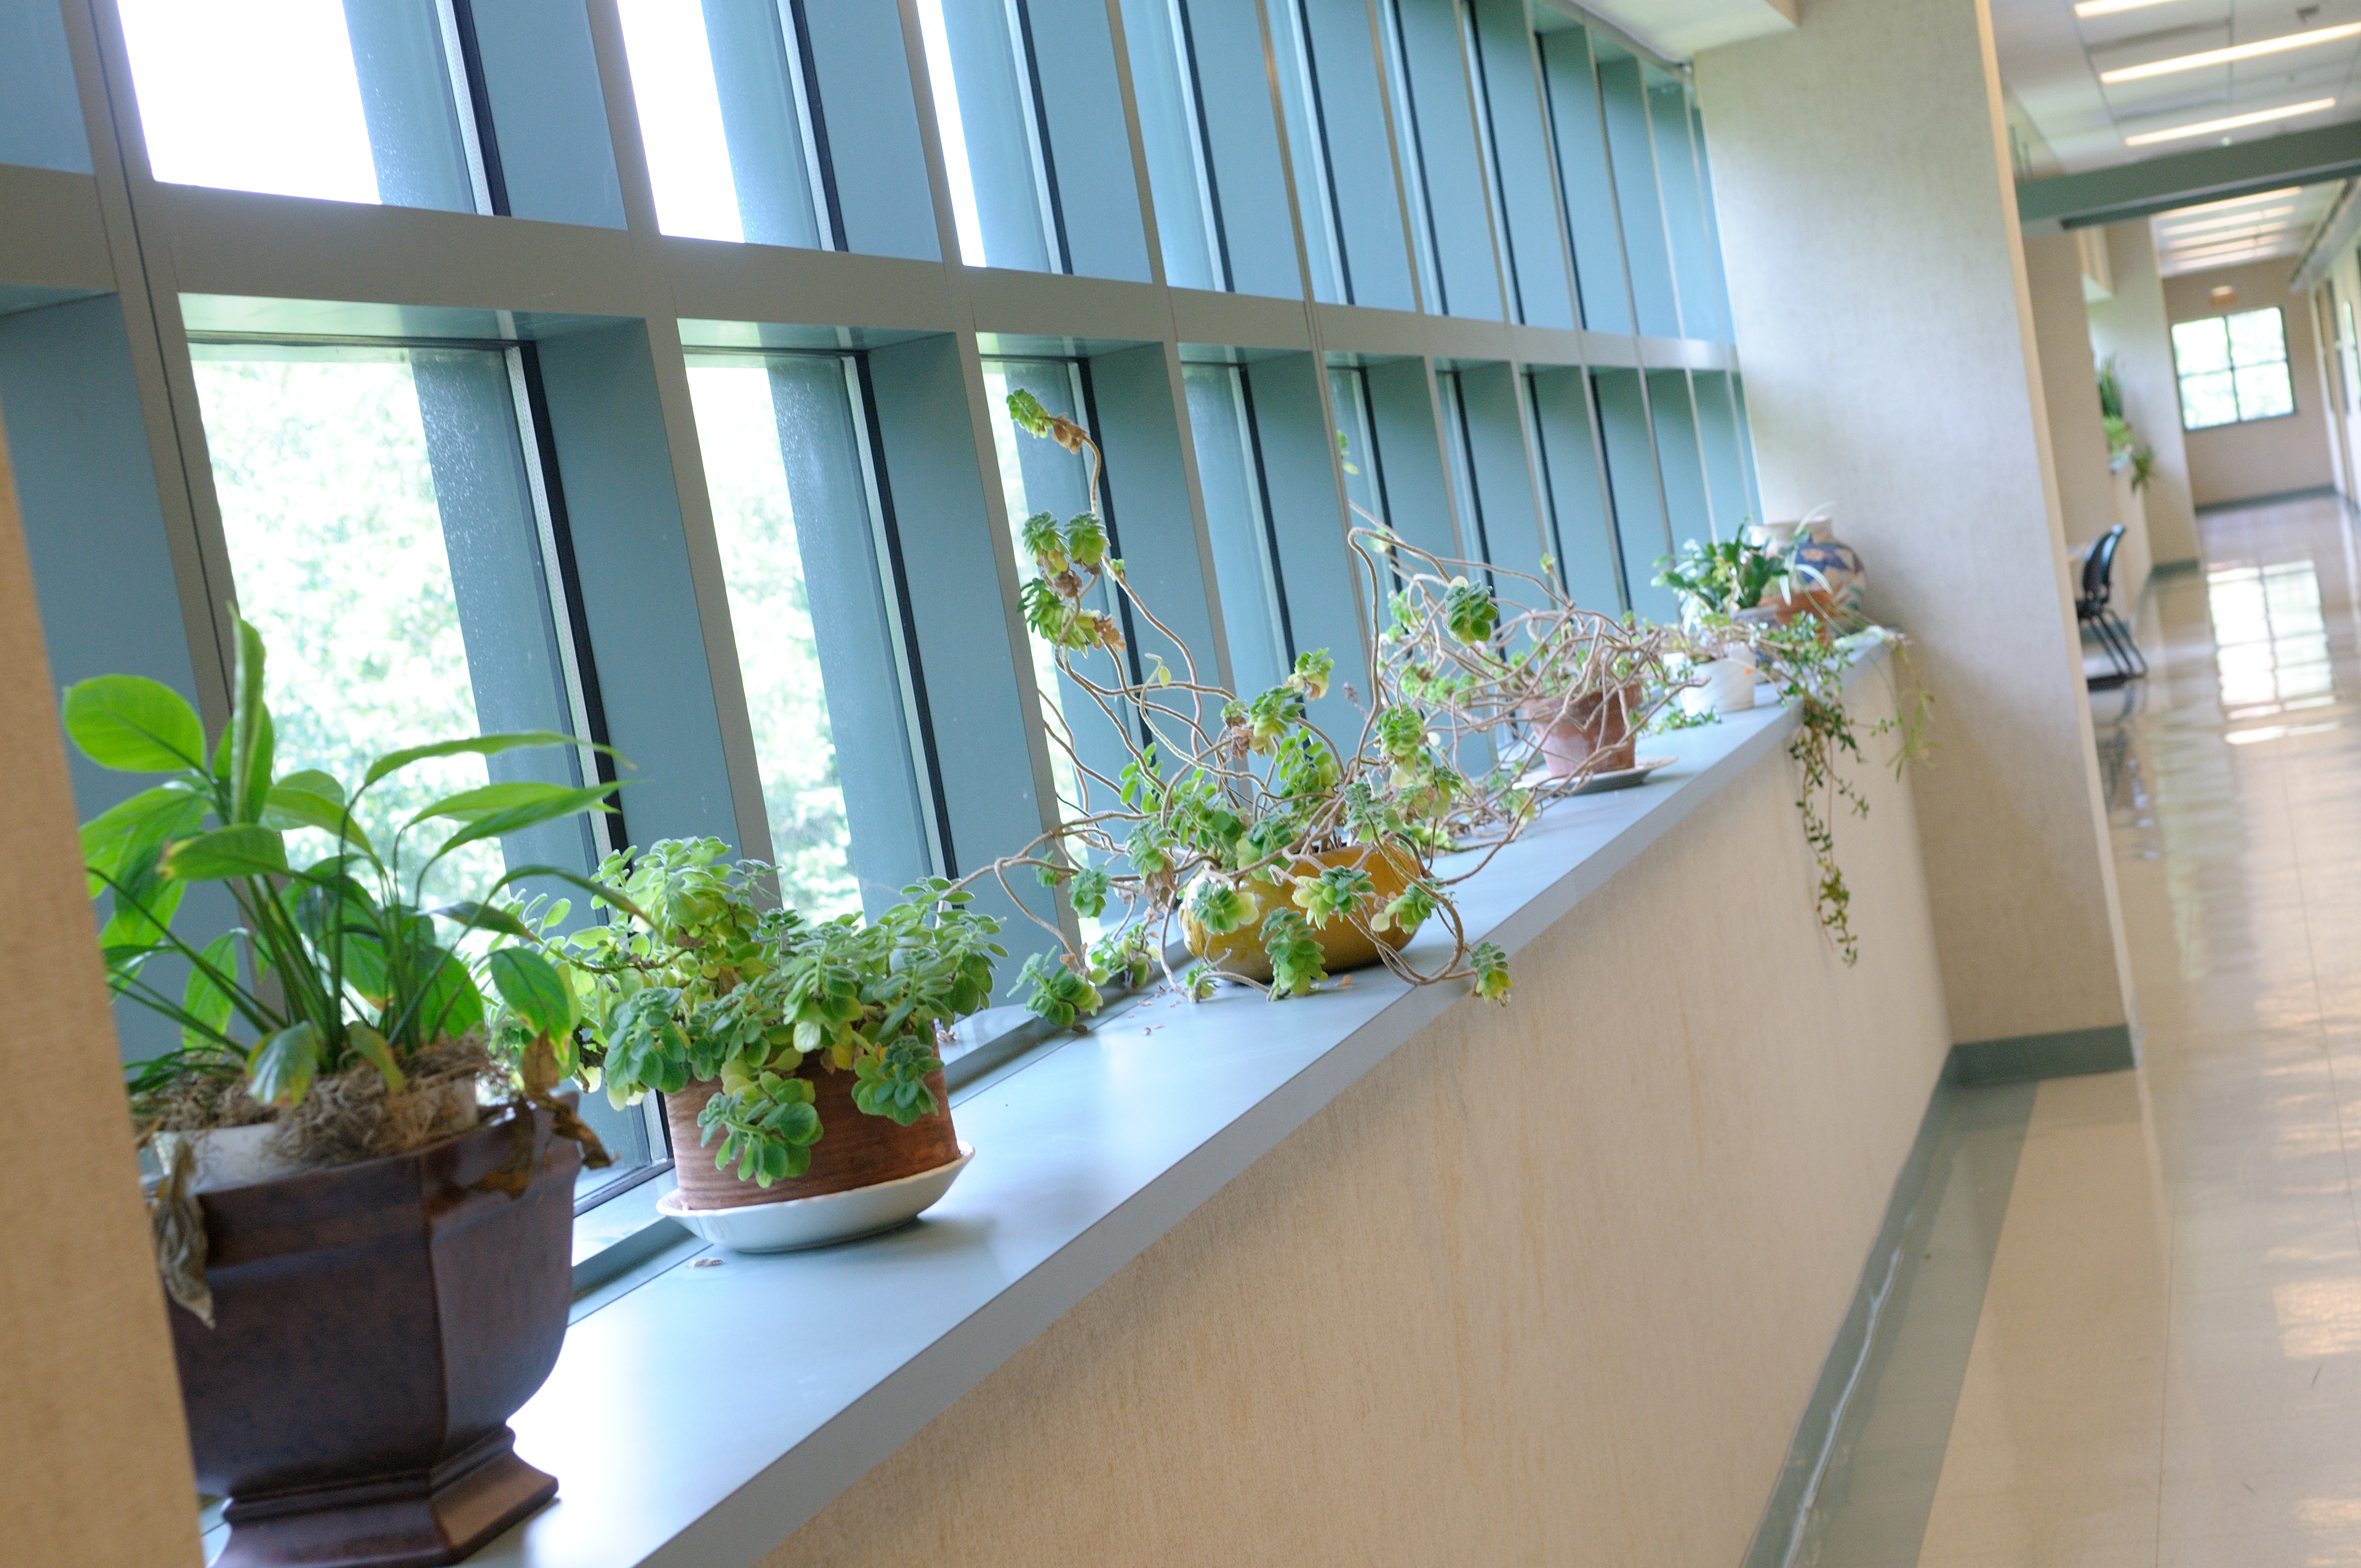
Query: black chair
2091, 609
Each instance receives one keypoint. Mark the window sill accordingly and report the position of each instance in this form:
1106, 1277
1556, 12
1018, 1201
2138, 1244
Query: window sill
1089, 1149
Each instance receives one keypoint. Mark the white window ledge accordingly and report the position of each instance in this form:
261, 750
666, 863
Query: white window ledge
699, 1415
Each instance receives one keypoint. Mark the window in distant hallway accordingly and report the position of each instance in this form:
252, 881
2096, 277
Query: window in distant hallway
2232, 368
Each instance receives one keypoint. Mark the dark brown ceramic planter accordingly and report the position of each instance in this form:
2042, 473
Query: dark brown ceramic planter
378, 1325
854, 1150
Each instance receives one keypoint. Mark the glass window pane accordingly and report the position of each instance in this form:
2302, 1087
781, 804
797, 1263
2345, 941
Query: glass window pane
771, 615
2200, 347
725, 120
976, 65
1164, 84
1038, 477
2256, 337
1240, 528
2208, 399
2264, 391
284, 96
383, 539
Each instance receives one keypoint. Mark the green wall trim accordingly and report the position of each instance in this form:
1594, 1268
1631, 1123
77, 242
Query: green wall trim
2070, 1053
1986, 1088
2128, 191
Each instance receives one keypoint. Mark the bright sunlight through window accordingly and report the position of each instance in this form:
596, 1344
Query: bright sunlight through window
251, 96
770, 613
954, 136
336, 543
680, 119
2232, 368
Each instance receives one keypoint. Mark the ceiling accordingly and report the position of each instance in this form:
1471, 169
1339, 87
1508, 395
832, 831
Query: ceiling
2065, 118
2052, 61
2251, 228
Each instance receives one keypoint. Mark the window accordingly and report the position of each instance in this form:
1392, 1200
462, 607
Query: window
1253, 613
439, 499
1041, 476
308, 98
827, 676
733, 143
2232, 368
384, 538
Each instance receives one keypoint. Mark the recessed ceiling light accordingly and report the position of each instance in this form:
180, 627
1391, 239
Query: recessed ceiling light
2225, 56
2228, 202
2227, 220
2109, 7
2206, 128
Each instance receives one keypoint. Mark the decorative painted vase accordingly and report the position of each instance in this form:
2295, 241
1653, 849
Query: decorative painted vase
1824, 567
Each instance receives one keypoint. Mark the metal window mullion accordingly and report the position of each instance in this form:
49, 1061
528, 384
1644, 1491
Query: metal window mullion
1506, 276
1201, 144
819, 166
1050, 206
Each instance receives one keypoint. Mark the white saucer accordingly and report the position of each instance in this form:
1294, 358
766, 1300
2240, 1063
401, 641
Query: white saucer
794, 1224
1622, 778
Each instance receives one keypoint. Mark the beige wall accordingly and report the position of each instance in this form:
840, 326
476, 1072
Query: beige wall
1882, 319
1550, 1284
93, 1457
2088, 504
2266, 458
2130, 328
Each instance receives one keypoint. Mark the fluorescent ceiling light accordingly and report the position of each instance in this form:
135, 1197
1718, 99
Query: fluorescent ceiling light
2109, 7
2282, 246
2206, 128
2198, 252
2227, 221
2178, 213
2225, 56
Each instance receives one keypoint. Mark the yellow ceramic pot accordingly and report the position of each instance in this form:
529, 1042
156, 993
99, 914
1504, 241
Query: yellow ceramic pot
1343, 945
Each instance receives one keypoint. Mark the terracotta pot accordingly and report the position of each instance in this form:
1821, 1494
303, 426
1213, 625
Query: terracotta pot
1592, 733
378, 1325
1343, 945
854, 1149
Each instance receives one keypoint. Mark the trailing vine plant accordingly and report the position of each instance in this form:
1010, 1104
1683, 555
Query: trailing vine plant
1488, 680
1241, 820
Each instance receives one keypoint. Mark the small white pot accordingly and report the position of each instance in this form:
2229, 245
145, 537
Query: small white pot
229, 1157
1729, 688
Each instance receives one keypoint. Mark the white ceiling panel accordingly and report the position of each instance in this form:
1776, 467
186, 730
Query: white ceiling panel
2051, 61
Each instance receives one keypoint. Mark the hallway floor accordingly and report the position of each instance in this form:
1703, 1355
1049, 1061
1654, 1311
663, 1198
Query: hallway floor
2164, 1366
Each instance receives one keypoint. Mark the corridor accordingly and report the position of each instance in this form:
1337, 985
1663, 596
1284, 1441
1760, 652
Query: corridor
2165, 1367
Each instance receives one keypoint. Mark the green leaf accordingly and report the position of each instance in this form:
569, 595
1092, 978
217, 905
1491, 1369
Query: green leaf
371, 1047
474, 745
134, 725
472, 804
246, 849
564, 803
127, 838
251, 737
486, 917
534, 989
281, 1070
205, 1001
605, 893
451, 1004
289, 806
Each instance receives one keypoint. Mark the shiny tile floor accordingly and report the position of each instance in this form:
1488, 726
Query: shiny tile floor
2164, 1365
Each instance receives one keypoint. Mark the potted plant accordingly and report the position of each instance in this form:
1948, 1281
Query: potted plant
1567, 688
801, 1052
368, 1226
1280, 852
